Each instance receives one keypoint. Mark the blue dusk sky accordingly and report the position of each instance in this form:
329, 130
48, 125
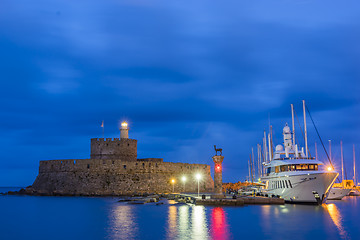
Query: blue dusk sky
185, 74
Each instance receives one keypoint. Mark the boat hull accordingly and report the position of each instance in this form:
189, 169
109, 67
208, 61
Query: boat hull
338, 193
310, 188
354, 192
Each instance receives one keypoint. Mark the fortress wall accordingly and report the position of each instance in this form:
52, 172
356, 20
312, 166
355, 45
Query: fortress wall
116, 177
76, 165
113, 148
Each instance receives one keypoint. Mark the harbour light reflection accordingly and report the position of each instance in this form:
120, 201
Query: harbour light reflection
122, 223
266, 217
337, 219
172, 223
184, 222
199, 223
219, 226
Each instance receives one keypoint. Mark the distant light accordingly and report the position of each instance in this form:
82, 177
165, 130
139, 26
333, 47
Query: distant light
198, 176
183, 179
173, 181
124, 124
218, 168
329, 169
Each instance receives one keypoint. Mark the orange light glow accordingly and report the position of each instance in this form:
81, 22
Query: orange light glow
329, 169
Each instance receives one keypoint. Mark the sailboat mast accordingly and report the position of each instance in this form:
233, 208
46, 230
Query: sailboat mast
249, 168
258, 160
261, 160
265, 149
342, 162
316, 154
330, 150
354, 164
251, 165
305, 131
293, 123
269, 142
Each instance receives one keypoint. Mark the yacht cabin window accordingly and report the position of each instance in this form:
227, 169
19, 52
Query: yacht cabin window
292, 167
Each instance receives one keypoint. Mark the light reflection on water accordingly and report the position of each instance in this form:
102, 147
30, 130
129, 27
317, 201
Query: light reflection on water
219, 226
184, 222
105, 218
187, 222
172, 222
199, 223
337, 219
122, 222
181, 221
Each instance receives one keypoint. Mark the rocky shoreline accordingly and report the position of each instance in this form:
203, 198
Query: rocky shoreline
32, 192
126, 197
162, 198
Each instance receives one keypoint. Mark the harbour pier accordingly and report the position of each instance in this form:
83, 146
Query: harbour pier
228, 200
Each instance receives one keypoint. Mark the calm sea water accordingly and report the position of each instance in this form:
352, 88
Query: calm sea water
29, 217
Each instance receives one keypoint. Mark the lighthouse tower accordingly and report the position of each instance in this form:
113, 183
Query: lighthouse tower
124, 130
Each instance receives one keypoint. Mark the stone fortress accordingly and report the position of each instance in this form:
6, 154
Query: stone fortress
113, 169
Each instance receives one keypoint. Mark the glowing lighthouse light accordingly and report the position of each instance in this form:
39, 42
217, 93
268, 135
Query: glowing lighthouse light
124, 124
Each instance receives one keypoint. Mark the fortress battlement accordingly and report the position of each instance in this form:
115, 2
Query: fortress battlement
113, 148
111, 139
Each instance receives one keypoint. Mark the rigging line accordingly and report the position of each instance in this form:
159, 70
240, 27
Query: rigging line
317, 132
322, 143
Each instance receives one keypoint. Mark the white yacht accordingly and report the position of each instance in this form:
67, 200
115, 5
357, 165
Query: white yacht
294, 176
337, 193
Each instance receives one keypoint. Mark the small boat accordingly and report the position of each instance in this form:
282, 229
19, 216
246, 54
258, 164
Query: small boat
354, 192
337, 193
249, 190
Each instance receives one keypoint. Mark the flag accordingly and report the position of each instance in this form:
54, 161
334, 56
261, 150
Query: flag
102, 124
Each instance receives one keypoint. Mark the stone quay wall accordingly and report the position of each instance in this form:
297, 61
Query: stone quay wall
113, 148
118, 177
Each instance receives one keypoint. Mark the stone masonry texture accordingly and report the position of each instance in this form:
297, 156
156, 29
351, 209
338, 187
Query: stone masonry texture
114, 169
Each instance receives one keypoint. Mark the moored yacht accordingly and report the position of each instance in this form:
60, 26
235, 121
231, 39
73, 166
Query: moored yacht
294, 176
338, 190
337, 193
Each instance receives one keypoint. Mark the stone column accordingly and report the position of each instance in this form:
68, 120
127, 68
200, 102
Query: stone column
218, 176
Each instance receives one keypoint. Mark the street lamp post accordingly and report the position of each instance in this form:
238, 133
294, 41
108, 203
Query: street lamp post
198, 177
184, 180
173, 183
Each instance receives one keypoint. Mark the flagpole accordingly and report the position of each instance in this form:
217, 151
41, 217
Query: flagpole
102, 126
